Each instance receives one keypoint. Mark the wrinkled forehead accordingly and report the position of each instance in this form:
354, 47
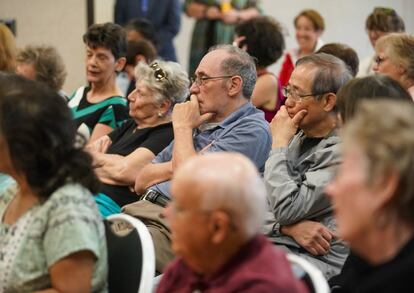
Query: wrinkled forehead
211, 63
303, 76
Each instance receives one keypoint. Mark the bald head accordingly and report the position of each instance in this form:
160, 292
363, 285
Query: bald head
226, 181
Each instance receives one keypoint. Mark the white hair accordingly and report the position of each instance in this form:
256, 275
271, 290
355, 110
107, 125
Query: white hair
230, 183
175, 87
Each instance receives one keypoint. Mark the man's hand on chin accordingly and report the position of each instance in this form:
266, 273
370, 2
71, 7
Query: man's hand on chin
187, 115
283, 128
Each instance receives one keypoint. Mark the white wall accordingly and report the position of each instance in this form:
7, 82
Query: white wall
62, 23
344, 21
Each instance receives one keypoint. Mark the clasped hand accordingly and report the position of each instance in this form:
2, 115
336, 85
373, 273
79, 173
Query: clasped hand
311, 235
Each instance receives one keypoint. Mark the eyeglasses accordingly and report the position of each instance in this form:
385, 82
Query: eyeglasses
379, 59
288, 92
201, 80
159, 73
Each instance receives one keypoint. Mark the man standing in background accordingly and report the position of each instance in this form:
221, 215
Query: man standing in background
164, 15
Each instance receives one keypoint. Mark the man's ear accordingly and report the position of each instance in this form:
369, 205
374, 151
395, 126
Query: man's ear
120, 64
220, 226
234, 86
329, 102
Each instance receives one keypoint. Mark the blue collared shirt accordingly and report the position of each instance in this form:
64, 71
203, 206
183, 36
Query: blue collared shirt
244, 131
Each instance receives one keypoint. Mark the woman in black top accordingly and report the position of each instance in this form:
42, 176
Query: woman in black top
120, 155
373, 198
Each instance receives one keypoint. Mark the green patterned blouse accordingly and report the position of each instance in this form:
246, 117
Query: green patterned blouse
65, 223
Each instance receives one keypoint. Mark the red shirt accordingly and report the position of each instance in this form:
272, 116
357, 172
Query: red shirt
286, 70
258, 267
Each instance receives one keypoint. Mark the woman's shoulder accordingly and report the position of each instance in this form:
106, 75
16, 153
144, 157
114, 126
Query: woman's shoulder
6, 195
70, 198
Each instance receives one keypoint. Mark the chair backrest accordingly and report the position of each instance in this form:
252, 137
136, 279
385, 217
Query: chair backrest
131, 257
309, 274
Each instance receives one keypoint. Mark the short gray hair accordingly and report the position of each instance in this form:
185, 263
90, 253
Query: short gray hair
47, 63
388, 146
331, 72
175, 87
230, 183
239, 63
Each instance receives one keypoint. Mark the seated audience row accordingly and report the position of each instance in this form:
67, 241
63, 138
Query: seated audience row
143, 170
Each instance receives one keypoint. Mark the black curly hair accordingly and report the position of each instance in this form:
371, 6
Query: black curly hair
37, 127
264, 39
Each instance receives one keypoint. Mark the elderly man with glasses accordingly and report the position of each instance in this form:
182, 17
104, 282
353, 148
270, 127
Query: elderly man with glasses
302, 162
218, 117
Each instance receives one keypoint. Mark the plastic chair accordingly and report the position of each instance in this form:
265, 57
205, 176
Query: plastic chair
131, 257
309, 274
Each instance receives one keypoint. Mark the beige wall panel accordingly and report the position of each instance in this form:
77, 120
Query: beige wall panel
60, 23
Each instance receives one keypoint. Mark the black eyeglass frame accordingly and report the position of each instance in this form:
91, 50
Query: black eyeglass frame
286, 91
200, 80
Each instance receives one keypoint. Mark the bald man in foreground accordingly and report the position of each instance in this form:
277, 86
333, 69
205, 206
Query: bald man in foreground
217, 209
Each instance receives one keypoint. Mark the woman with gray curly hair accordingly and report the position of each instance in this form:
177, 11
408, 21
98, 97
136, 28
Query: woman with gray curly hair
120, 155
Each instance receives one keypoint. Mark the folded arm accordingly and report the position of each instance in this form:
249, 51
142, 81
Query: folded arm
152, 174
294, 197
119, 170
311, 235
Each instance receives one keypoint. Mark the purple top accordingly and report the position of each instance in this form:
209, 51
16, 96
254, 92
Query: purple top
258, 267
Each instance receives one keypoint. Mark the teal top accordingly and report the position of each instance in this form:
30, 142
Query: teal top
5, 181
66, 223
113, 111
